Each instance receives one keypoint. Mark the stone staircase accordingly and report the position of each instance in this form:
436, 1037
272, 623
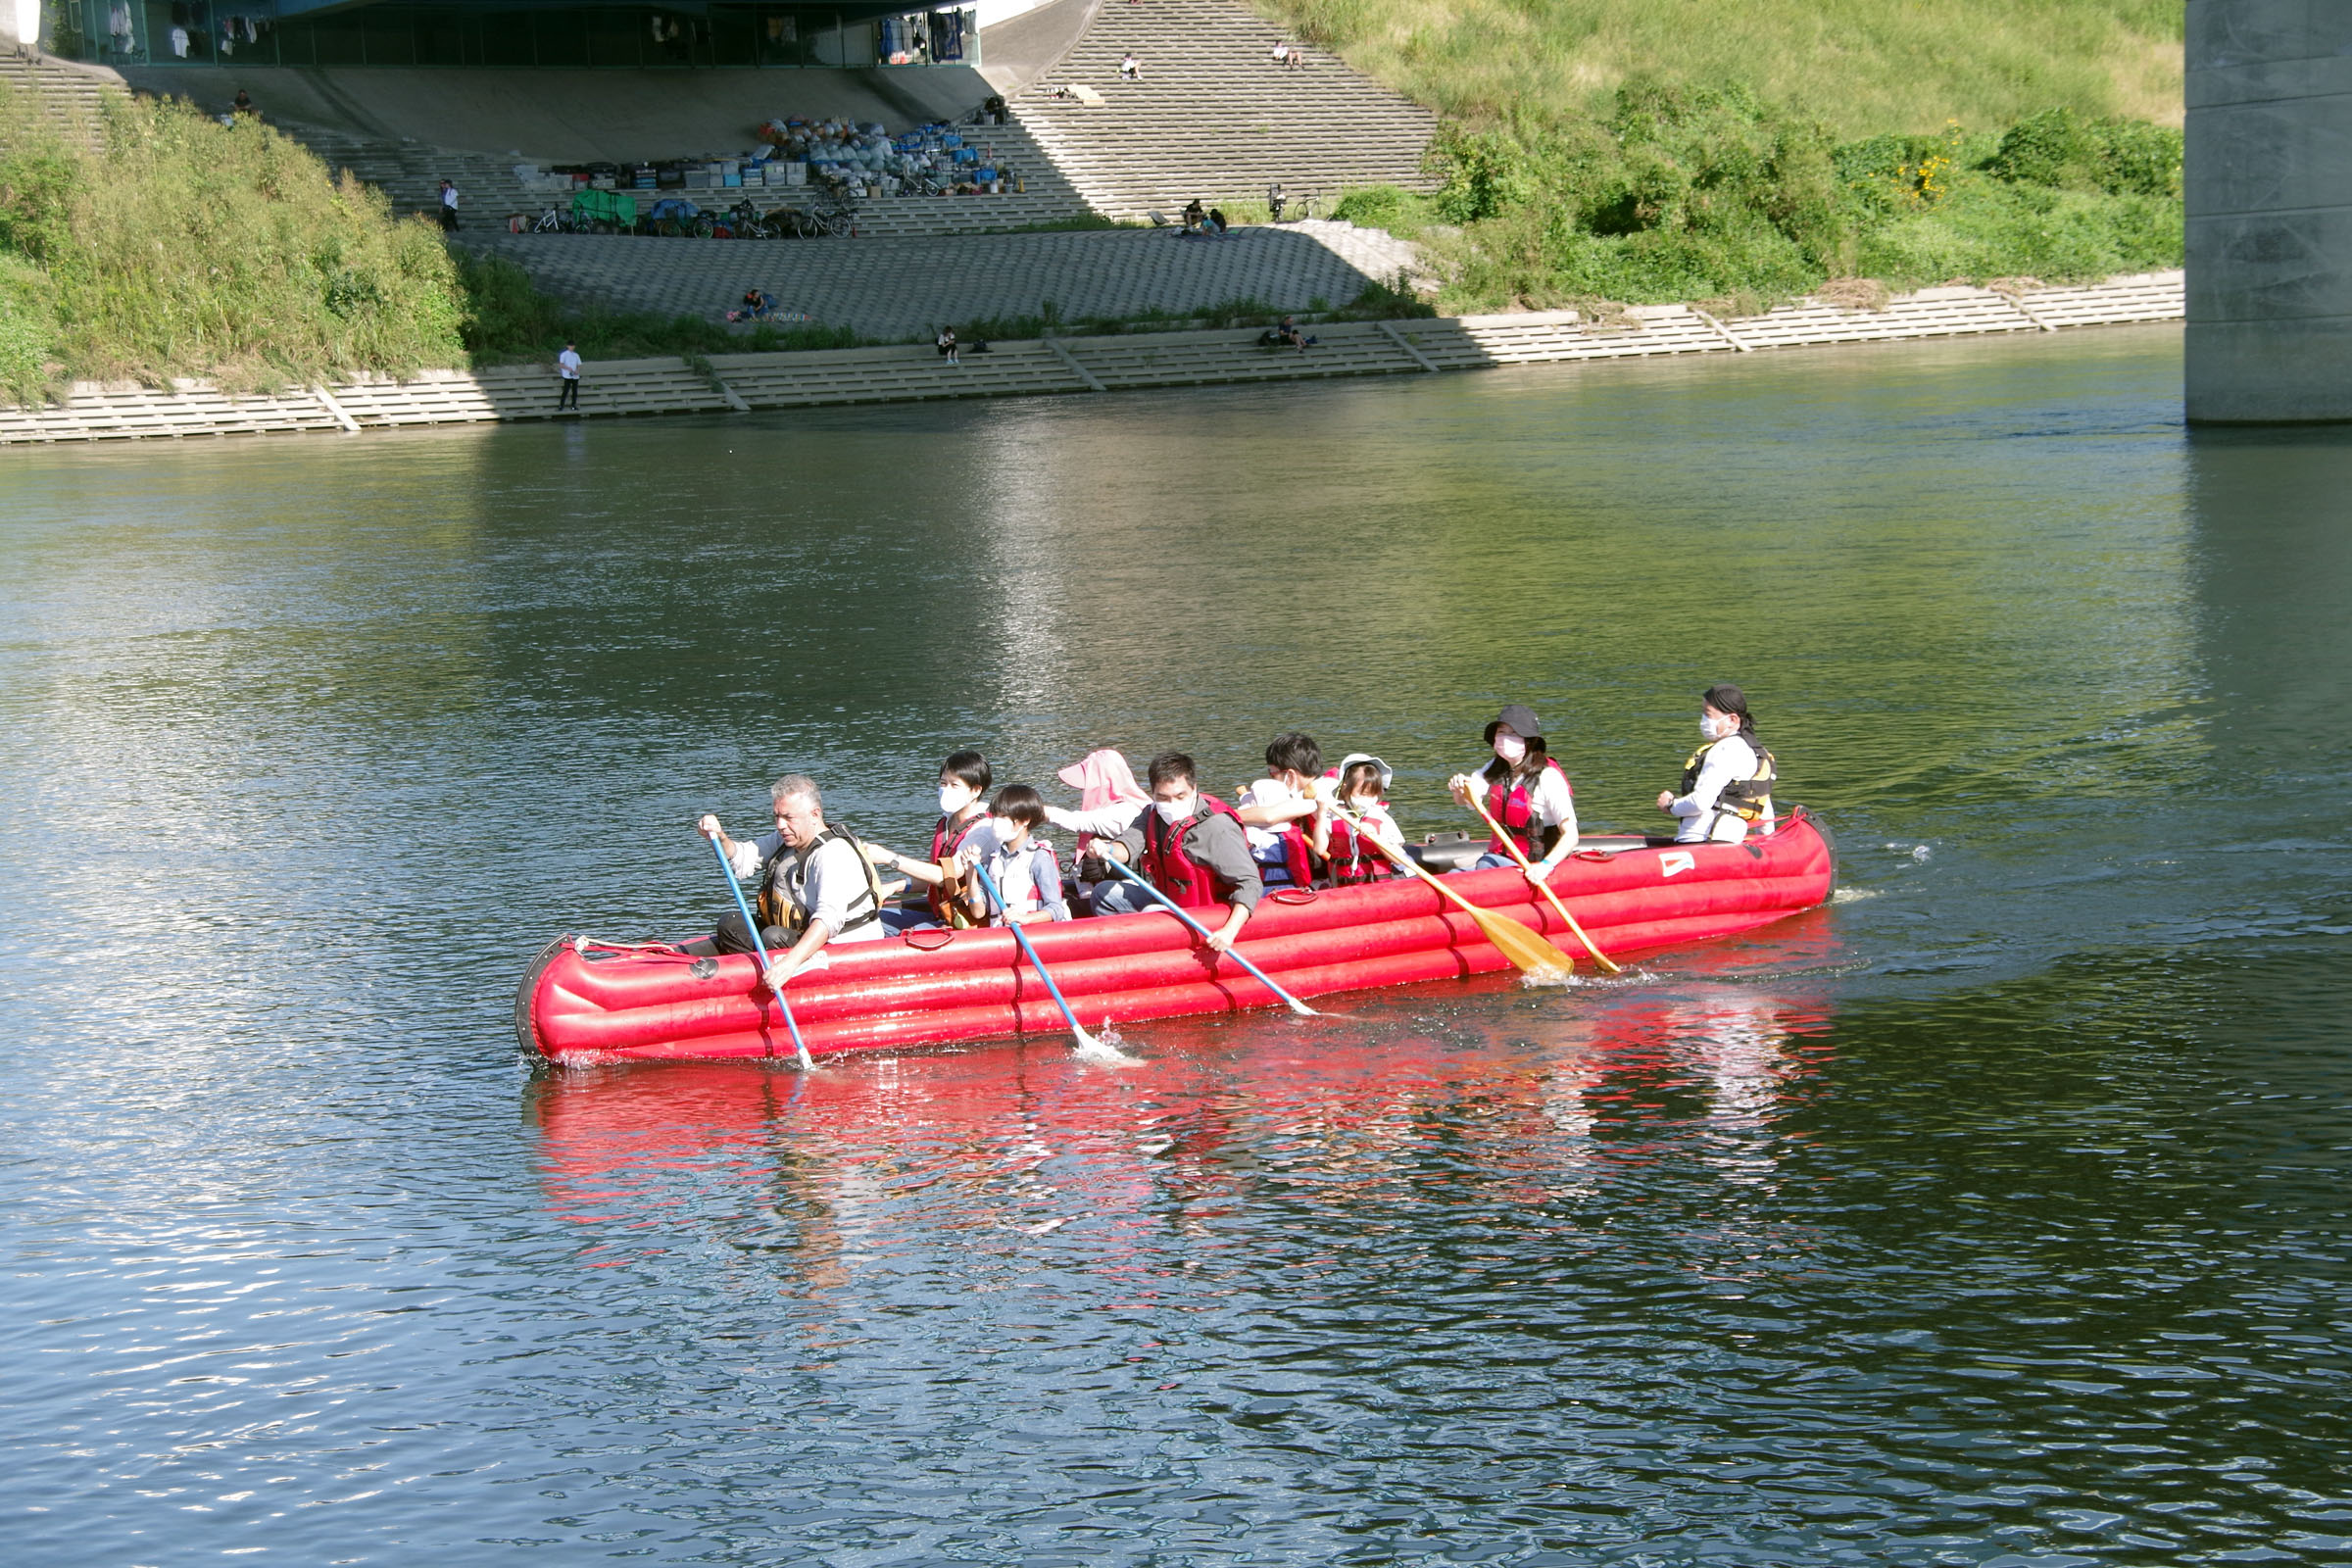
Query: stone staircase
1214, 117
70, 93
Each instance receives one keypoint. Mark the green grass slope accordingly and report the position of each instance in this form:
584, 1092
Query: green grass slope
1861, 67
184, 247
1743, 151
189, 248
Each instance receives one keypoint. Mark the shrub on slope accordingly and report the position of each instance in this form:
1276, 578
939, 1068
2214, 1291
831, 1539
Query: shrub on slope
190, 248
1710, 193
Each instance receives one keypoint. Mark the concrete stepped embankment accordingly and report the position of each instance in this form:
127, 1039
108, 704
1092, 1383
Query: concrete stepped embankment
70, 93
899, 287
1212, 116
1085, 365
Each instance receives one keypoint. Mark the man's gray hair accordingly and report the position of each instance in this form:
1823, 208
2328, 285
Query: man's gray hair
798, 787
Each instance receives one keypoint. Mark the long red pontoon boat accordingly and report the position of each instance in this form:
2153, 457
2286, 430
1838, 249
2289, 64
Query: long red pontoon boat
586, 1001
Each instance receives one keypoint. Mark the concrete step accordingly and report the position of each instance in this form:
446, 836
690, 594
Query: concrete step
1214, 117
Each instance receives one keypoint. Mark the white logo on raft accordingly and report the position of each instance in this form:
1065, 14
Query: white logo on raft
1679, 860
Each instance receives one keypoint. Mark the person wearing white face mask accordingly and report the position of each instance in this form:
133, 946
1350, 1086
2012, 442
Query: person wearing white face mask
964, 780
1727, 784
1188, 845
1526, 793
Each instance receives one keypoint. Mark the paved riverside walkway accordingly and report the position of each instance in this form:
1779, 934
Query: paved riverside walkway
739, 383
897, 288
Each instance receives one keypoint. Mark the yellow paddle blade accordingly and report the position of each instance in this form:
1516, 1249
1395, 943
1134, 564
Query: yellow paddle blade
1524, 948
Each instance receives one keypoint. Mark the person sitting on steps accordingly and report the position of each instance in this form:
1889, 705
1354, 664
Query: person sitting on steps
1284, 334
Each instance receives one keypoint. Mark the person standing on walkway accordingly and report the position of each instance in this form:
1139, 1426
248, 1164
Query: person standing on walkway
568, 373
449, 207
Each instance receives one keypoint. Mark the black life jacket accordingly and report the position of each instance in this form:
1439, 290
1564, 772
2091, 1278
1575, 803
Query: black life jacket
784, 878
1747, 799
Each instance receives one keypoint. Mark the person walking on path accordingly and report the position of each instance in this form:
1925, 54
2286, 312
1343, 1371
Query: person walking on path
449, 207
568, 373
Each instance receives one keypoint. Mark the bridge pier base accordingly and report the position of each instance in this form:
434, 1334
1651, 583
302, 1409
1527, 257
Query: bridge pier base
2269, 185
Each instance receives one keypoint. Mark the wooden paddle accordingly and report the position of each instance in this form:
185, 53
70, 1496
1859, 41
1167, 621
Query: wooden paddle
1524, 948
1511, 846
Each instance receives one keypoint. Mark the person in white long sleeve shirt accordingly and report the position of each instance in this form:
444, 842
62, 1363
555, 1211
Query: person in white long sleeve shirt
815, 885
1727, 784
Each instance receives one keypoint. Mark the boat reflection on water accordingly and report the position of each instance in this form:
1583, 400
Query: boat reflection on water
1482, 1094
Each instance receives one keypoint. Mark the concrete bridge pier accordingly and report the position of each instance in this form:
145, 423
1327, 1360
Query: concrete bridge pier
2268, 184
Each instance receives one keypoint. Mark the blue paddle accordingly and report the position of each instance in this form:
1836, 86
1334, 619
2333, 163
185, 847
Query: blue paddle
1087, 1043
1178, 911
751, 924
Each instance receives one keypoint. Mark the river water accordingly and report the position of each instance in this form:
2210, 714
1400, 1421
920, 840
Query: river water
1993, 1215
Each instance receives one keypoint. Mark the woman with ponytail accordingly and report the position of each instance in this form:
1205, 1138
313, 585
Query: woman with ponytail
1727, 784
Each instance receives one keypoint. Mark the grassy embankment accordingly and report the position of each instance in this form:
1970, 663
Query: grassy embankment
1742, 151
189, 248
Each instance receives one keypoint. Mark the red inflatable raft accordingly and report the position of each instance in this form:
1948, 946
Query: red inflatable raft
585, 1001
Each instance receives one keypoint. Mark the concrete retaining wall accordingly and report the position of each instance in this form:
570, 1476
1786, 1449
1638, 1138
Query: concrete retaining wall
742, 382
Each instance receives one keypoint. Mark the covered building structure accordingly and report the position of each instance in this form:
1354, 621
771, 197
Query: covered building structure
517, 34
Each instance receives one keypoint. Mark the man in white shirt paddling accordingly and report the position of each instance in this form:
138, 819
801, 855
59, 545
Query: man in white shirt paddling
815, 884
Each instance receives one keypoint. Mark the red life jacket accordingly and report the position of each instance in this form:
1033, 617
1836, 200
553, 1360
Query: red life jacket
946, 840
1171, 868
1298, 855
1353, 857
1511, 801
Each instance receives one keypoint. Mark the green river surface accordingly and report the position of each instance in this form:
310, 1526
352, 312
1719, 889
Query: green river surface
1995, 1214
